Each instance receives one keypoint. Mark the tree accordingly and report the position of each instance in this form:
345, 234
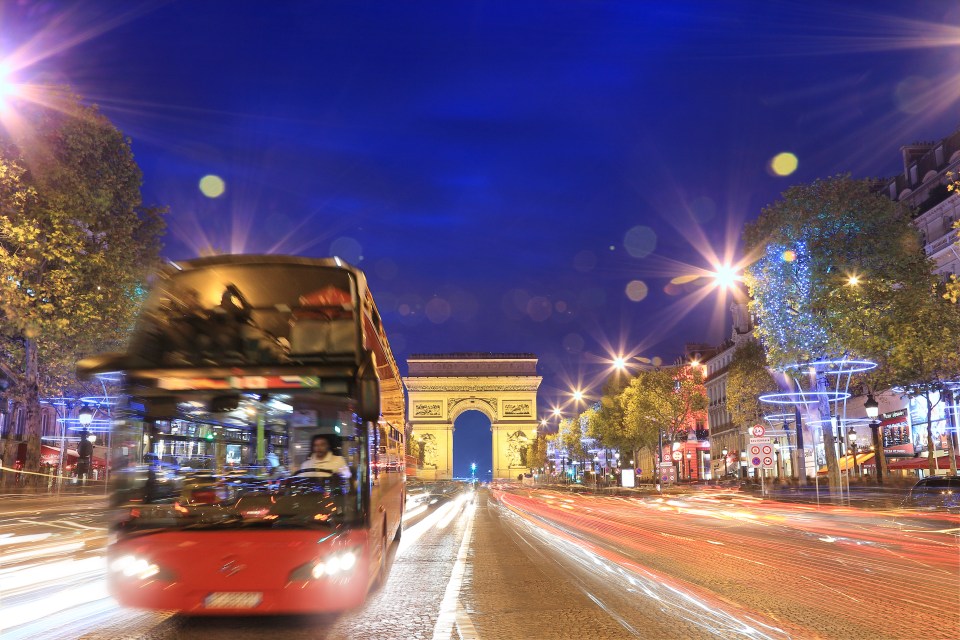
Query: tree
606, 423
822, 281
748, 379
672, 400
537, 454
922, 355
571, 436
76, 246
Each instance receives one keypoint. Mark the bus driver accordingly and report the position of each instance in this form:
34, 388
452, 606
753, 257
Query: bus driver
322, 462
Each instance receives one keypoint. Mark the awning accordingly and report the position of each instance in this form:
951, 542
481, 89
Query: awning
846, 462
921, 462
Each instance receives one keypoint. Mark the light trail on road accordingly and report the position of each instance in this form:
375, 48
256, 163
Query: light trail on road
832, 572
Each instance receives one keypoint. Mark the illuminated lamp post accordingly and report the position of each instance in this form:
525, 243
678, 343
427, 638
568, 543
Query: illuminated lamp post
689, 470
852, 435
872, 407
725, 452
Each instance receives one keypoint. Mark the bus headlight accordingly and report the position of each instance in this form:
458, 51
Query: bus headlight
336, 564
132, 566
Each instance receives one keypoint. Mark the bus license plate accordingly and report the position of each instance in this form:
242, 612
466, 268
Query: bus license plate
233, 600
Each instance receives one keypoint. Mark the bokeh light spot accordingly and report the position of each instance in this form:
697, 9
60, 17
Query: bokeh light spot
347, 249
637, 290
913, 95
789, 255
438, 310
584, 261
640, 241
783, 164
657, 361
539, 308
212, 186
573, 343
560, 306
703, 209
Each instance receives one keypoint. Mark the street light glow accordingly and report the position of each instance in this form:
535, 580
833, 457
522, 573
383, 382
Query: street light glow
620, 362
578, 395
556, 411
725, 276
853, 280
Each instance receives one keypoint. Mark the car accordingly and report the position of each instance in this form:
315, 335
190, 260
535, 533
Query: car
938, 492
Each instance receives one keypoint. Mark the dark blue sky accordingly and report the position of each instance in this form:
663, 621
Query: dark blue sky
485, 162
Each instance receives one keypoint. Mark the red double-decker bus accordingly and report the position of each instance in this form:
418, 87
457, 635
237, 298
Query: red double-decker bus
236, 367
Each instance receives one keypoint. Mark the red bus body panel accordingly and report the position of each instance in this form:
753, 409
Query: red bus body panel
206, 562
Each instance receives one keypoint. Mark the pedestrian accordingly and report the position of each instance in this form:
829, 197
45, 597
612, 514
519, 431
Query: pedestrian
85, 456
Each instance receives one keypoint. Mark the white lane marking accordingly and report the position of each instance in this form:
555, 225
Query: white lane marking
53, 603
448, 617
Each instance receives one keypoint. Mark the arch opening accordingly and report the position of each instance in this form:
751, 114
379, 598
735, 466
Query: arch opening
473, 444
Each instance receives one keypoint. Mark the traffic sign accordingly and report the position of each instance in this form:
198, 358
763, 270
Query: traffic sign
668, 475
757, 431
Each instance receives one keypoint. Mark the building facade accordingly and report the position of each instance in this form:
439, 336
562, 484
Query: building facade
923, 186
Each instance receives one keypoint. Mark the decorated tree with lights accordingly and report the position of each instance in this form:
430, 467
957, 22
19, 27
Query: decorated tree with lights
75, 247
829, 256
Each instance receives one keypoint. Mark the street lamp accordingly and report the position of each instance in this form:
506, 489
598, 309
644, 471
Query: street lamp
852, 434
724, 452
689, 471
872, 407
85, 416
473, 471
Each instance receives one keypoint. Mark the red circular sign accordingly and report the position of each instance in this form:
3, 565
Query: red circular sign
767, 450
755, 450
768, 461
758, 431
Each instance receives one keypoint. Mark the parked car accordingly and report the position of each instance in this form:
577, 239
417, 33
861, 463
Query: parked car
939, 492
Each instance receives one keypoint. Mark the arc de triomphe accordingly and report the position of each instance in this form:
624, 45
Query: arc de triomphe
502, 386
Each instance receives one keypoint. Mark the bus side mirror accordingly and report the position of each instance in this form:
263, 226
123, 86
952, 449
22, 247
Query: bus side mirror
368, 391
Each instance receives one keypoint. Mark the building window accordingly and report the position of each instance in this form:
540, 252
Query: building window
3, 424
913, 174
938, 155
45, 423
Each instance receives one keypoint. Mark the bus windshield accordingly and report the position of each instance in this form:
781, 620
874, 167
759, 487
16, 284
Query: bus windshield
247, 315
255, 463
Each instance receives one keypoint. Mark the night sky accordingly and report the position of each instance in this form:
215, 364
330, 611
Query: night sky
502, 170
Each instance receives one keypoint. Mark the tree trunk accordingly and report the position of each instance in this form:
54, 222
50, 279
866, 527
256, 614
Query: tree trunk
31, 399
826, 428
951, 429
931, 459
10, 447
